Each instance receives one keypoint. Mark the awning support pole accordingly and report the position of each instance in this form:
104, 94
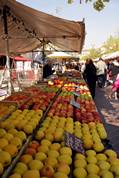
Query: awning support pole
7, 50
43, 56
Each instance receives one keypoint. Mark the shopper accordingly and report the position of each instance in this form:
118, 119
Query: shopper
47, 69
101, 72
90, 76
115, 88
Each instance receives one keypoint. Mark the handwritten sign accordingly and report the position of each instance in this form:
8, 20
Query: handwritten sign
74, 142
74, 103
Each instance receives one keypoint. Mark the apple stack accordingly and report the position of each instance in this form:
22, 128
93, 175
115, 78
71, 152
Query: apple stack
96, 165
26, 120
11, 141
6, 109
44, 159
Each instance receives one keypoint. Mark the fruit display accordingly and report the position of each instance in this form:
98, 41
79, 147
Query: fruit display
11, 141
62, 107
44, 158
42, 97
6, 109
18, 97
26, 120
47, 155
96, 165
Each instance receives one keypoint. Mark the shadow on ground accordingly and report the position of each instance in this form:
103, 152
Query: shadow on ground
108, 109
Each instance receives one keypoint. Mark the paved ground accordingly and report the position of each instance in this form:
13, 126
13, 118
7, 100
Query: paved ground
109, 110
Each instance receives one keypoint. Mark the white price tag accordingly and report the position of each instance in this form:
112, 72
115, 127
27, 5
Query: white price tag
76, 94
74, 103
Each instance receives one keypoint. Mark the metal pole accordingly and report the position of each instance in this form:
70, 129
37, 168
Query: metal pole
7, 49
43, 56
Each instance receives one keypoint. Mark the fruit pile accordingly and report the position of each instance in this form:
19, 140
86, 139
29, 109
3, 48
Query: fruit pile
96, 165
62, 106
41, 98
11, 141
19, 98
6, 109
45, 159
26, 120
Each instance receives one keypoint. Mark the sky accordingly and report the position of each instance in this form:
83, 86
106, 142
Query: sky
99, 25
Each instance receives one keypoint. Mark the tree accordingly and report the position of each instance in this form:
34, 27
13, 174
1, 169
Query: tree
97, 4
111, 45
93, 53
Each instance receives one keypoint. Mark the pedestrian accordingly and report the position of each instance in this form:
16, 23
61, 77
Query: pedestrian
115, 88
90, 76
101, 72
47, 69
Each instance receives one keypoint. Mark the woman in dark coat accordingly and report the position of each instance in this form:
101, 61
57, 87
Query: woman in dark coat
90, 76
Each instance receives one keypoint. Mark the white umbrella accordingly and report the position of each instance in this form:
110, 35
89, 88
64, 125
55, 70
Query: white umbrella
59, 55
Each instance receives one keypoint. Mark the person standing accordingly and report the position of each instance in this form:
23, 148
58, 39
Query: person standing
47, 69
90, 76
101, 72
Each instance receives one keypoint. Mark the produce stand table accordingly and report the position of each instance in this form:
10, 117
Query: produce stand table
86, 135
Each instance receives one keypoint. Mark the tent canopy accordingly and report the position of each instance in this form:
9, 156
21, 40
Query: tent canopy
111, 56
21, 58
28, 27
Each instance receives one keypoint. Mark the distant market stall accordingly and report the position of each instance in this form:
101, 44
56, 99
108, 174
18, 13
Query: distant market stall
24, 32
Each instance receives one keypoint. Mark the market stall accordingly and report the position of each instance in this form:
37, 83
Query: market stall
58, 132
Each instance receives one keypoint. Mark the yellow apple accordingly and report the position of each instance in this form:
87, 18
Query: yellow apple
31, 174
55, 146
20, 168
3, 143
92, 168
17, 142
65, 158
51, 161
11, 149
66, 150
1, 168
45, 142
80, 163
60, 175
63, 167
26, 158
5, 158
40, 156
15, 175
80, 173
35, 165
53, 153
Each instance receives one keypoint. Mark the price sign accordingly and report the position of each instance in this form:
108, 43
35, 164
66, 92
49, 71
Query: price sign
73, 142
76, 94
74, 103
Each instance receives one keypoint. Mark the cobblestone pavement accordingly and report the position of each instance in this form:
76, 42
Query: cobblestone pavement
109, 111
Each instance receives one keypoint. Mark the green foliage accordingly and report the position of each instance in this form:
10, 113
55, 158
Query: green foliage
111, 45
93, 53
97, 4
